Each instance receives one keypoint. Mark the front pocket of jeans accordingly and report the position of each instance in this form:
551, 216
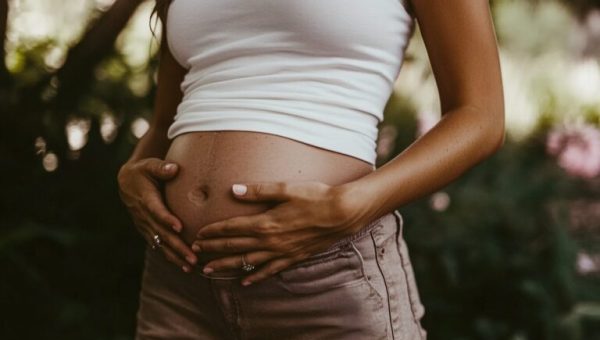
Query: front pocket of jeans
413, 292
329, 270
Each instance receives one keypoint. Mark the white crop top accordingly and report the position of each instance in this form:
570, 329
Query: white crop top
316, 71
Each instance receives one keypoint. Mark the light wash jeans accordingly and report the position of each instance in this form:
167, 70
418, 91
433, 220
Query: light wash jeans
362, 287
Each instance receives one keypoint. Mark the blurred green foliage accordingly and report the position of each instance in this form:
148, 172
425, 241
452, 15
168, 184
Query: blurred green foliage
70, 258
498, 262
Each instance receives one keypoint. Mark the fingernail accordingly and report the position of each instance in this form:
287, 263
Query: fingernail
207, 270
246, 283
186, 269
195, 247
169, 166
239, 189
176, 228
191, 259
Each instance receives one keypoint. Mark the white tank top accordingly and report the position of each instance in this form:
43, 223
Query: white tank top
316, 71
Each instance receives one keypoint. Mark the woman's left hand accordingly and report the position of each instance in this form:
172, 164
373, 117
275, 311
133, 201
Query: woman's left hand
311, 217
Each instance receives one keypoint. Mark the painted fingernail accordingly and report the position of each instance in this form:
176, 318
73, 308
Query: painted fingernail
207, 270
191, 259
186, 269
246, 283
169, 166
239, 189
195, 247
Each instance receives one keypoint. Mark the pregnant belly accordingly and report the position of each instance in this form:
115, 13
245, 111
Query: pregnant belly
212, 161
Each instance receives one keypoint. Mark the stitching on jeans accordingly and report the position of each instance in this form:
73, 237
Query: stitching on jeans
385, 284
410, 299
365, 231
368, 282
399, 230
237, 316
223, 312
318, 258
406, 278
333, 252
364, 273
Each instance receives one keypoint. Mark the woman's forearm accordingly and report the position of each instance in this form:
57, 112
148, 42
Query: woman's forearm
462, 138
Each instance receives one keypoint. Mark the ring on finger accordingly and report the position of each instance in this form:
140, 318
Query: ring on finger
246, 266
156, 241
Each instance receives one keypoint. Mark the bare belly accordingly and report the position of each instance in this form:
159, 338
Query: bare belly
212, 161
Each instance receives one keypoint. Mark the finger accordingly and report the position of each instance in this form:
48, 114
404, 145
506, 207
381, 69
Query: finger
160, 169
229, 244
174, 241
172, 256
155, 206
238, 226
268, 270
169, 254
235, 262
263, 191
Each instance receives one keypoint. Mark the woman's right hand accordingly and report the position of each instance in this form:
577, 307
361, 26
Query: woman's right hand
139, 189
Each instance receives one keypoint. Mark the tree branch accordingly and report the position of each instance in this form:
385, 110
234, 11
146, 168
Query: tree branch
5, 78
97, 43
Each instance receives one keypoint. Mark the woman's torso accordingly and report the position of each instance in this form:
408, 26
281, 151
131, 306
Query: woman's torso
211, 162
320, 72
273, 88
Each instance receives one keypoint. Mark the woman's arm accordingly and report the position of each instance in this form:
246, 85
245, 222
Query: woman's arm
168, 95
139, 177
461, 44
462, 48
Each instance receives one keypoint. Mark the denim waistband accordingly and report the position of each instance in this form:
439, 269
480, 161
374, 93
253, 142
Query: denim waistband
364, 231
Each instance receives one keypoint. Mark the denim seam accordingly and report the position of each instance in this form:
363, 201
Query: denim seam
237, 316
399, 229
365, 231
385, 283
410, 299
399, 224
364, 273
365, 279
222, 310
346, 243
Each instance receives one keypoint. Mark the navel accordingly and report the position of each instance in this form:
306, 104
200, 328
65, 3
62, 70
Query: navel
199, 194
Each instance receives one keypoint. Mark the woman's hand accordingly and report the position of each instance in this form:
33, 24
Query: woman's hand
312, 216
139, 191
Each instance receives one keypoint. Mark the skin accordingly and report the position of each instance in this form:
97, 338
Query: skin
293, 209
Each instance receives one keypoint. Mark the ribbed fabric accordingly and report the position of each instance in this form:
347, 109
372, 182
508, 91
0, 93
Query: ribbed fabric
316, 71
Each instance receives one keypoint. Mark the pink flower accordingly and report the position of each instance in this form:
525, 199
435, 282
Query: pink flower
439, 201
577, 148
587, 263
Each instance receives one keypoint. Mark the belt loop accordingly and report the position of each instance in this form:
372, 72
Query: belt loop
399, 226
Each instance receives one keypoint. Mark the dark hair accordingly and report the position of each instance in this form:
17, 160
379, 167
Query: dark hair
160, 9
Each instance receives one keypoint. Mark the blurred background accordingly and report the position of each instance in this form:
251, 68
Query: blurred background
508, 251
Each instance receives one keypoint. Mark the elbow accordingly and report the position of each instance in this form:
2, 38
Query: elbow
489, 118
496, 143
496, 131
